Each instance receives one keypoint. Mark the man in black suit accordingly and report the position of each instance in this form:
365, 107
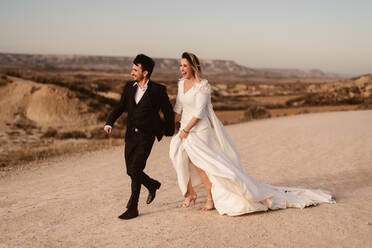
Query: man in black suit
142, 99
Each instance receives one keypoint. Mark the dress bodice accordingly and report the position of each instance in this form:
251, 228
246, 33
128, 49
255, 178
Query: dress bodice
193, 103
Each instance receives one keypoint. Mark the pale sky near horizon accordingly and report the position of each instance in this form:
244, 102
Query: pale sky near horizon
331, 35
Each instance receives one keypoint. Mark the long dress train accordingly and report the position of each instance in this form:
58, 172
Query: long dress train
211, 149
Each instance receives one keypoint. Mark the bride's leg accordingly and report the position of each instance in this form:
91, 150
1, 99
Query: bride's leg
208, 186
190, 196
190, 189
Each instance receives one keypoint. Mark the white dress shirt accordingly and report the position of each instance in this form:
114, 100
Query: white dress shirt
139, 93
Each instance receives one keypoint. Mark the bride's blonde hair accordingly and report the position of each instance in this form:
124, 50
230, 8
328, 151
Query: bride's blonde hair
194, 63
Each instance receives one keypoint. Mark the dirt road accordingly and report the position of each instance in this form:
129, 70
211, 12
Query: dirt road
74, 201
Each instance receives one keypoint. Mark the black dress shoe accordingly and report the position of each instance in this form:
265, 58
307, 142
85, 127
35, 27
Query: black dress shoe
129, 214
152, 193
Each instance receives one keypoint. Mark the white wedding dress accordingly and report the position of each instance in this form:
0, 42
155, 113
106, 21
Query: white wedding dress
209, 147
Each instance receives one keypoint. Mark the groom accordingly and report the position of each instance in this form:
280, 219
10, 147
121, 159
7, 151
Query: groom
142, 99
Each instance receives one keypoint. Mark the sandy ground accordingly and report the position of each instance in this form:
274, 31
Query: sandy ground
74, 201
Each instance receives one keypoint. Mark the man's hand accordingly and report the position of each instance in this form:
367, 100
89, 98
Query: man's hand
107, 129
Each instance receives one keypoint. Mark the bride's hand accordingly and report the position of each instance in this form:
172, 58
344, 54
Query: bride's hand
183, 134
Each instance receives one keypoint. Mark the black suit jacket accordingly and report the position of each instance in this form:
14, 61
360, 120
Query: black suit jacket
159, 101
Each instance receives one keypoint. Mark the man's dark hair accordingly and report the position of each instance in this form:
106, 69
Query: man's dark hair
146, 62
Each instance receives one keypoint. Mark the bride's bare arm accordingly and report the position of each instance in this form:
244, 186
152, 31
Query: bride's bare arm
191, 124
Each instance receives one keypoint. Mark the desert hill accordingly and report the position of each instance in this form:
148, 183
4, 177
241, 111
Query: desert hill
35, 116
42, 104
163, 66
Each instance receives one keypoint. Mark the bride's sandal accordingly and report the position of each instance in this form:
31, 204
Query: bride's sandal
188, 200
209, 205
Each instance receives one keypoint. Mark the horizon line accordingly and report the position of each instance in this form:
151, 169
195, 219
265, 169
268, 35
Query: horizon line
263, 68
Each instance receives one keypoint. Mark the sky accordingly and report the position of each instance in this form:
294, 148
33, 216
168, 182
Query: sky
331, 35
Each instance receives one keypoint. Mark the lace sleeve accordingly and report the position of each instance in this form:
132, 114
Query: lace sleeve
201, 99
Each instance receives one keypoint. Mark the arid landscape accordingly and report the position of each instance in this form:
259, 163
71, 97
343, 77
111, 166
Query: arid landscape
56, 104
63, 181
291, 81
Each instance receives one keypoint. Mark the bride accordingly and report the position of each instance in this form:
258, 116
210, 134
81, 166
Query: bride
203, 152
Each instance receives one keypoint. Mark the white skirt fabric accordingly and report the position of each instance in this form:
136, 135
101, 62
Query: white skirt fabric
233, 191
209, 147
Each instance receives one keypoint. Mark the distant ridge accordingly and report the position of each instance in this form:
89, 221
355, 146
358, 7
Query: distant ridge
305, 73
163, 65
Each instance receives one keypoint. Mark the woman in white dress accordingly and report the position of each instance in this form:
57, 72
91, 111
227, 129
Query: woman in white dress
202, 152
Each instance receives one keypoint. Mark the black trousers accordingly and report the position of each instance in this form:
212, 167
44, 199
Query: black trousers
137, 150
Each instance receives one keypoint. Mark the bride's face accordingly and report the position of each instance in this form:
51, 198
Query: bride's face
186, 69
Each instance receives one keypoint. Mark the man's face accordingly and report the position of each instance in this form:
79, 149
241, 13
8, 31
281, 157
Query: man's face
137, 73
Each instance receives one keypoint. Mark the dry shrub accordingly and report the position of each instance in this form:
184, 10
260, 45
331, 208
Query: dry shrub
367, 104
80, 76
4, 80
303, 111
256, 112
324, 99
98, 133
103, 86
14, 133
50, 133
72, 135
102, 116
3, 164
14, 73
25, 124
